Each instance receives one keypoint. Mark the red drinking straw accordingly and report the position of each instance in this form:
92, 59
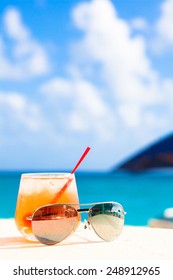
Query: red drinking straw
60, 193
81, 159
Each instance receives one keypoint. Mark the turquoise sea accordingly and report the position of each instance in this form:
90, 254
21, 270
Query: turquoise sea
143, 195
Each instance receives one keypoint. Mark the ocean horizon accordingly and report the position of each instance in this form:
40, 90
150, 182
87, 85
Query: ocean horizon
143, 195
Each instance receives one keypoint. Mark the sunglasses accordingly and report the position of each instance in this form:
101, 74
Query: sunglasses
53, 223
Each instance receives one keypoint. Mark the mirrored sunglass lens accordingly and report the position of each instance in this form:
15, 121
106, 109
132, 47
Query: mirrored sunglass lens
107, 220
52, 224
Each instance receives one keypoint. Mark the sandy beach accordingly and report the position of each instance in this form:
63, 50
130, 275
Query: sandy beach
142, 243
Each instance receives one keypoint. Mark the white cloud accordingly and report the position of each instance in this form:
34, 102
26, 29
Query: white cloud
163, 27
124, 67
166, 21
86, 112
139, 24
111, 89
28, 138
131, 114
113, 59
57, 87
20, 112
14, 25
29, 57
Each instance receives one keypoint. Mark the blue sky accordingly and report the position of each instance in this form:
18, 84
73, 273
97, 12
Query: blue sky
79, 73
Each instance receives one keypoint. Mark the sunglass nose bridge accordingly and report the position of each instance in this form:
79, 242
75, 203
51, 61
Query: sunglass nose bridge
86, 224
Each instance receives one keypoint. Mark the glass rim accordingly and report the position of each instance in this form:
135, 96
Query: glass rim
47, 175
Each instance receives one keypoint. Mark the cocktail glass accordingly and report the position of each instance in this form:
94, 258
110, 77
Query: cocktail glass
38, 189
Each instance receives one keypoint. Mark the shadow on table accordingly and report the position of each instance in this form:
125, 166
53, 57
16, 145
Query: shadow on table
21, 242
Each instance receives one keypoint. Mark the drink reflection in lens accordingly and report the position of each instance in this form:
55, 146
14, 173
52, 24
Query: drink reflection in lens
52, 224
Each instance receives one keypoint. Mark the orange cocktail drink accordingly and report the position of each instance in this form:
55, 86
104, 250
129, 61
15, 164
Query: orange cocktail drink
38, 189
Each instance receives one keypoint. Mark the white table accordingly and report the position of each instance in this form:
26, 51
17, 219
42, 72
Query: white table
141, 243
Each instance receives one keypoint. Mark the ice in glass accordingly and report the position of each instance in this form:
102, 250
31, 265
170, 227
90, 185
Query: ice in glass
39, 189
